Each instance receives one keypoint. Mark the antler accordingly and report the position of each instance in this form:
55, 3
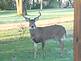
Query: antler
38, 16
26, 17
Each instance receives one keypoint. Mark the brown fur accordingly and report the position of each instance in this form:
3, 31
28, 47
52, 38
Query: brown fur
41, 34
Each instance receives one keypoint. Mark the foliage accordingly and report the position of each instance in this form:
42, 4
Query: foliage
47, 4
53, 4
9, 4
2, 5
6, 4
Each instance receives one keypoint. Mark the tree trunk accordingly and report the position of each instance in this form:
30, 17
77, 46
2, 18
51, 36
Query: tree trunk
41, 5
24, 7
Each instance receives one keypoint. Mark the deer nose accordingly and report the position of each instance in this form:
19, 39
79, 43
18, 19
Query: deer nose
32, 26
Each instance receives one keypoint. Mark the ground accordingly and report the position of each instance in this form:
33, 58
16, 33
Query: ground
14, 45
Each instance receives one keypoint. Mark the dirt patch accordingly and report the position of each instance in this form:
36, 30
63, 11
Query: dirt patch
41, 23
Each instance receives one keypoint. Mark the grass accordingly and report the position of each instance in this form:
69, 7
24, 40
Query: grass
22, 48
11, 16
13, 43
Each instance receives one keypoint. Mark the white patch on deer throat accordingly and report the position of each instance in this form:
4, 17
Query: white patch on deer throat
35, 44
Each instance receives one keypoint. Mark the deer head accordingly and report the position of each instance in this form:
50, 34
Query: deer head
32, 21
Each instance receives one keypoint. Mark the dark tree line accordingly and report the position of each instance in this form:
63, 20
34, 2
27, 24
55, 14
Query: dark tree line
7, 4
11, 4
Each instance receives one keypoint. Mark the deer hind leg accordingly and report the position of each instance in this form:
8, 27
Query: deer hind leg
62, 46
61, 42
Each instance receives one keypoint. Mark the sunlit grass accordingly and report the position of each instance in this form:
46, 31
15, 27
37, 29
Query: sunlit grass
13, 43
11, 16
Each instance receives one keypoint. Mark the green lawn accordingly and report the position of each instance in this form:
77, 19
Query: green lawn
8, 16
20, 46
12, 43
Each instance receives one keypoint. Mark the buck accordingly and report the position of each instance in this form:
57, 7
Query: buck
42, 34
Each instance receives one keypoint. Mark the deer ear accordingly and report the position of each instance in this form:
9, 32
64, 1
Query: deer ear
37, 18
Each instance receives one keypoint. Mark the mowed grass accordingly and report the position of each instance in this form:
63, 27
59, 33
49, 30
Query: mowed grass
22, 48
19, 44
10, 16
13, 43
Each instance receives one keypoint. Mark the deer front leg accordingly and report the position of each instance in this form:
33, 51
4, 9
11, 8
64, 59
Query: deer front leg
35, 49
43, 48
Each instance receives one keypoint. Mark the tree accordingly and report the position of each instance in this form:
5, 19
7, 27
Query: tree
6, 4
2, 5
24, 7
71, 2
59, 3
41, 5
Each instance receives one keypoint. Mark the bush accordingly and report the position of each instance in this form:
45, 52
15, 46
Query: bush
9, 4
6, 4
53, 4
2, 5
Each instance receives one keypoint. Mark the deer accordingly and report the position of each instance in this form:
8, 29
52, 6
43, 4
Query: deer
42, 34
